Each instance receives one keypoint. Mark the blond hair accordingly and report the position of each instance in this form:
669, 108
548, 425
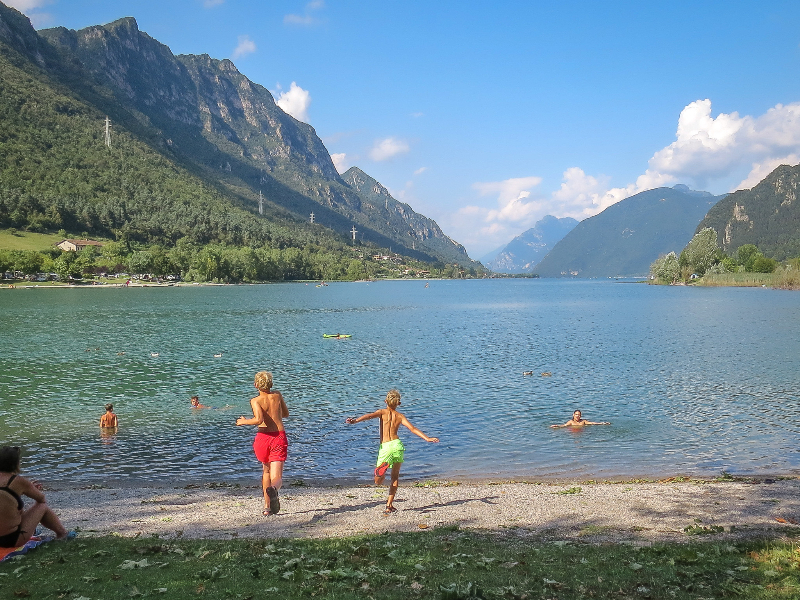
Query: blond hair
264, 381
392, 398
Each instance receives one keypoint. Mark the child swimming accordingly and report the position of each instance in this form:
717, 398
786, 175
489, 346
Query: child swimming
578, 421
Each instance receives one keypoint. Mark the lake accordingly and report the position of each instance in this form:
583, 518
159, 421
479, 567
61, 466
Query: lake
695, 381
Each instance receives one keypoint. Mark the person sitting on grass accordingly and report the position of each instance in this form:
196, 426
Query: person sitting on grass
18, 524
578, 421
109, 419
391, 450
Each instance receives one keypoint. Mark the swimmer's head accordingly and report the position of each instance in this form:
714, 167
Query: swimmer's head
576, 415
264, 381
195, 400
9, 459
393, 398
109, 407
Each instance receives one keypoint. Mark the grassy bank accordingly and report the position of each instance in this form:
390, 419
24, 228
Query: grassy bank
787, 278
25, 240
738, 280
445, 564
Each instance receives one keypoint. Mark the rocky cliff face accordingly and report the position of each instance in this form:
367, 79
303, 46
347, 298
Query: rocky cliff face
767, 215
188, 95
423, 233
205, 113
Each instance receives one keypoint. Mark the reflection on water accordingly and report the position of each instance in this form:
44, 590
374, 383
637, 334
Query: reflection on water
693, 380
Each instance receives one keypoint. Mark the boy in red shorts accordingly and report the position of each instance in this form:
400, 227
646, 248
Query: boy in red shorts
270, 445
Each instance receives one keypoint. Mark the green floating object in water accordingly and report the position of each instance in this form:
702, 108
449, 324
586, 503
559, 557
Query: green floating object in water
336, 335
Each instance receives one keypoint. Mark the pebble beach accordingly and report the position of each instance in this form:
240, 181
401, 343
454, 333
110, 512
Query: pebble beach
634, 512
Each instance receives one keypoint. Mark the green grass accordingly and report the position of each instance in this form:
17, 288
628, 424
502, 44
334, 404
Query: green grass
445, 564
25, 240
738, 279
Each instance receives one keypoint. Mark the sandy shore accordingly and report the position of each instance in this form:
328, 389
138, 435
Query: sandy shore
636, 512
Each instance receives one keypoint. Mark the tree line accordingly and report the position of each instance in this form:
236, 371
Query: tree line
702, 256
219, 262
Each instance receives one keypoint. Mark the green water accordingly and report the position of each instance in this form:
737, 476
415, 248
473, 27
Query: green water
693, 380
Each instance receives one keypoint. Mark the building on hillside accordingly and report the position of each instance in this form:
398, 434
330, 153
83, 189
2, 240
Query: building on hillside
77, 245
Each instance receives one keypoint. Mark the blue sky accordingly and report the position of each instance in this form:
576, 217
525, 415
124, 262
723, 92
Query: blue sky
486, 116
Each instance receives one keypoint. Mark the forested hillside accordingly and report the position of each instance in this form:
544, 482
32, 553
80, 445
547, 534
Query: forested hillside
628, 236
193, 143
767, 216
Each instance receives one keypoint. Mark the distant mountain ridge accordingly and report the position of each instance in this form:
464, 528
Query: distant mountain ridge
768, 215
213, 121
524, 252
379, 203
628, 236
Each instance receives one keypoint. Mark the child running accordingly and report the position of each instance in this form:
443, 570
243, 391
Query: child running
391, 450
578, 421
270, 445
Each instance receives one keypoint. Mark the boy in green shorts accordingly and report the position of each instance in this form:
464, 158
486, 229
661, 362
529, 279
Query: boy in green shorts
391, 451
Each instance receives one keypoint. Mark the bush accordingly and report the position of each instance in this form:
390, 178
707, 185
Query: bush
762, 264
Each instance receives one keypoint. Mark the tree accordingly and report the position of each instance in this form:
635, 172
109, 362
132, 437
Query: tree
28, 262
67, 266
762, 264
140, 262
701, 252
666, 268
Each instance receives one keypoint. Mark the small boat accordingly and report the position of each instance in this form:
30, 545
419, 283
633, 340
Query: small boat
154, 354
336, 335
218, 355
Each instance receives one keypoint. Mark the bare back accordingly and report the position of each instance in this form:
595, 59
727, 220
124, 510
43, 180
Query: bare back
390, 423
108, 420
271, 409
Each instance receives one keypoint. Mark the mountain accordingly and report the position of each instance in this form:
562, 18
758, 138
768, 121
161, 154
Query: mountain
490, 256
628, 236
423, 233
204, 119
768, 215
524, 252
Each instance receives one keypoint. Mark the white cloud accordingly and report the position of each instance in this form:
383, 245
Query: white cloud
211, 3
388, 148
340, 162
246, 46
420, 171
762, 169
509, 190
295, 102
417, 115
478, 226
706, 149
29, 9
710, 148
307, 18
24, 6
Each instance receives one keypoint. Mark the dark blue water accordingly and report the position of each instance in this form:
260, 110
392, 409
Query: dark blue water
695, 381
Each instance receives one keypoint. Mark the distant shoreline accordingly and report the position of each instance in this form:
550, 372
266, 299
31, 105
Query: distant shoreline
57, 285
